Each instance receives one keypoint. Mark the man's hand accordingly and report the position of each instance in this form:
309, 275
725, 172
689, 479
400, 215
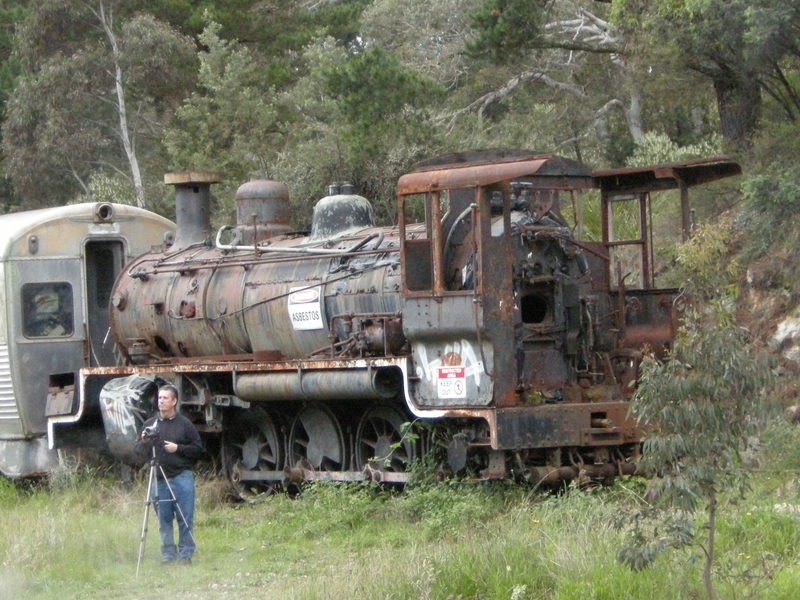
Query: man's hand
170, 447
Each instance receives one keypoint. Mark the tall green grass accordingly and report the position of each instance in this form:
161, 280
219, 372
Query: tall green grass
78, 536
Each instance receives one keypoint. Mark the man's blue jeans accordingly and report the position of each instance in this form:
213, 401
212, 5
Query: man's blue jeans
183, 488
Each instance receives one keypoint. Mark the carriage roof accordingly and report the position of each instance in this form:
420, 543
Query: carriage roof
61, 230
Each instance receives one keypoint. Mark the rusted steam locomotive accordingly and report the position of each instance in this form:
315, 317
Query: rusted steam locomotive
480, 314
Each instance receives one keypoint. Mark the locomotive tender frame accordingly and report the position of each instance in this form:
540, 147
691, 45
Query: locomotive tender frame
516, 342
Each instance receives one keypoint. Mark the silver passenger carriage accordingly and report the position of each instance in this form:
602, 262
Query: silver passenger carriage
57, 269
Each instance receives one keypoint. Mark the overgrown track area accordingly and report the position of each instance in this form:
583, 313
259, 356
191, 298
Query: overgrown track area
78, 537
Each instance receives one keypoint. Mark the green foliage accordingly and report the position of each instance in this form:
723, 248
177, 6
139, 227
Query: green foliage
9, 64
81, 540
769, 197
378, 98
506, 28
657, 149
231, 123
64, 119
440, 509
700, 408
706, 263
220, 126
334, 509
8, 493
651, 534
116, 188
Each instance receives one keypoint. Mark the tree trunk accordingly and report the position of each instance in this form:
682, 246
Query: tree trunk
130, 152
633, 115
712, 526
739, 106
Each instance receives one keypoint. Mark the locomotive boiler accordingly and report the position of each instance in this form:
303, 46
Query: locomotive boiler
509, 345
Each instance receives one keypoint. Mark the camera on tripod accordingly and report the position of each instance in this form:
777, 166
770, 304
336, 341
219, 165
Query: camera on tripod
150, 433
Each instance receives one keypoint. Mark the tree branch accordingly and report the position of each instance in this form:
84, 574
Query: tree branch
484, 101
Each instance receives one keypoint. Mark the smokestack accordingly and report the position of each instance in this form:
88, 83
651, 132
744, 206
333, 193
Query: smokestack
192, 206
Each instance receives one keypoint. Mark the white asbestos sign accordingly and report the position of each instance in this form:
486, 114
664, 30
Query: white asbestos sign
452, 382
305, 308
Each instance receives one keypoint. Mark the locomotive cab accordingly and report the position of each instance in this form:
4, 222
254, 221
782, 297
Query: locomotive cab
491, 283
526, 335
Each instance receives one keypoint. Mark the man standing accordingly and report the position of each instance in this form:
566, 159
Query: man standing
178, 446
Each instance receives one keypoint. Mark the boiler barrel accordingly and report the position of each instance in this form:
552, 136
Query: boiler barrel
207, 302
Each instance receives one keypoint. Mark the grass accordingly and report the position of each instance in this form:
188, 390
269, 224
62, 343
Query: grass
78, 537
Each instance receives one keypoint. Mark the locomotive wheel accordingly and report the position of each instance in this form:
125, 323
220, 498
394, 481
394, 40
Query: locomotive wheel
316, 440
379, 441
251, 443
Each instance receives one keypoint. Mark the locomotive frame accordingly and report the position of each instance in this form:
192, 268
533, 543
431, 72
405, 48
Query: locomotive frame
307, 354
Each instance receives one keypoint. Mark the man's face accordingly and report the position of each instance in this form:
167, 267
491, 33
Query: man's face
166, 403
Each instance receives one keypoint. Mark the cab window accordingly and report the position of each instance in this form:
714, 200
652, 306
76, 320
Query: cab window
47, 310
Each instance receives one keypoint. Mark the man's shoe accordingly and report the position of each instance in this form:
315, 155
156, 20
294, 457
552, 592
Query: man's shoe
165, 562
184, 561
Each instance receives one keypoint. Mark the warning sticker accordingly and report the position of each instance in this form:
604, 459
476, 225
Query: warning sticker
305, 308
452, 382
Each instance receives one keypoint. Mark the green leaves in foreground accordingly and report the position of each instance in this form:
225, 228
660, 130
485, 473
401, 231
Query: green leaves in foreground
700, 407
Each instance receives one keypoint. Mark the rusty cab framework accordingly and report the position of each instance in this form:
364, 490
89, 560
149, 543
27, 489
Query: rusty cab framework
644, 315
486, 328
460, 312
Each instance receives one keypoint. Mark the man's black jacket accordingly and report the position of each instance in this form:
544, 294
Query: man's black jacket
180, 430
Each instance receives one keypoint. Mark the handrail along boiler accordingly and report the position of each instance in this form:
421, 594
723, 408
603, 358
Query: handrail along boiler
480, 314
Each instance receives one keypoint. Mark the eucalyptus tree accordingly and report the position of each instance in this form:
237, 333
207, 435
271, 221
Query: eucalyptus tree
424, 35
98, 81
742, 48
571, 51
700, 408
11, 13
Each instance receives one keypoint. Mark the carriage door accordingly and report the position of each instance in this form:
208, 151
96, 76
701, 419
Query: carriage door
103, 263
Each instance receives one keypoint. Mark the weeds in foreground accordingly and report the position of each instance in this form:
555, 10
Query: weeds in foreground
79, 538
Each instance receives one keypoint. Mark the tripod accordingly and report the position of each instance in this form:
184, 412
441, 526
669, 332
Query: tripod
152, 499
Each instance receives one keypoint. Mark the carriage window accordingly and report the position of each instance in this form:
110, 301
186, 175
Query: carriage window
47, 310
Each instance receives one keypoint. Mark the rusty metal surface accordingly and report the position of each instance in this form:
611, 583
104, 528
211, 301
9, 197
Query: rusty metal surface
300, 475
667, 176
203, 301
565, 424
462, 176
318, 385
262, 210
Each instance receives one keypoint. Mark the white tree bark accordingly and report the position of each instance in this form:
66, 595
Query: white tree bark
585, 32
127, 144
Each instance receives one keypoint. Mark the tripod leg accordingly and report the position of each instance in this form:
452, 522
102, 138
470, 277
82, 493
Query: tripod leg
147, 502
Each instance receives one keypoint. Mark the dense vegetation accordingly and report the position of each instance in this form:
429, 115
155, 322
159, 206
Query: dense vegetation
98, 98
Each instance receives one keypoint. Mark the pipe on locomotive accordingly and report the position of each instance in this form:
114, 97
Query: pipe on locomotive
366, 384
